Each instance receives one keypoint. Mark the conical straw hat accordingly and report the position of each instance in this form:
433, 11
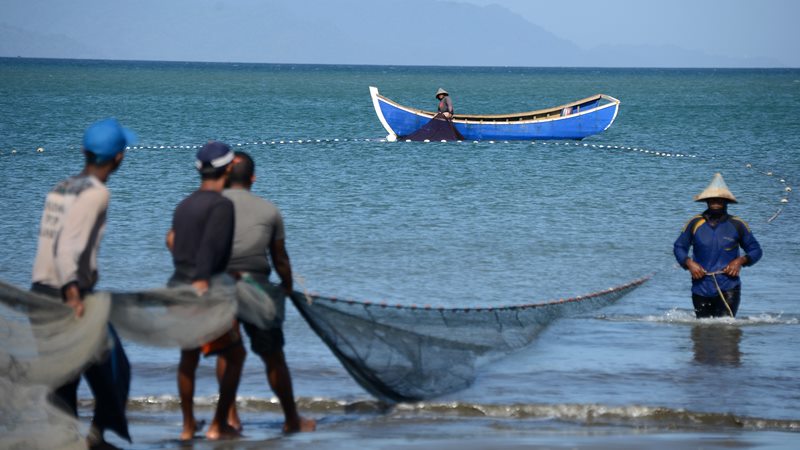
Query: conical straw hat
716, 189
441, 91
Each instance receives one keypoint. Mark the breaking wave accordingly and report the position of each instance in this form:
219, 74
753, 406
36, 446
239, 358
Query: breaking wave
632, 416
684, 316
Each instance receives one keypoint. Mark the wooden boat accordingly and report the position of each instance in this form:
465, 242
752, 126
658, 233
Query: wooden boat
575, 120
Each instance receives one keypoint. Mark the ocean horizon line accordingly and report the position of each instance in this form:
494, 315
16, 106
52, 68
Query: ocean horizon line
404, 66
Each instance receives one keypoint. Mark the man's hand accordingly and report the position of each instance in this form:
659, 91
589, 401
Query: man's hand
734, 267
170, 239
695, 269
72, 298
200, 286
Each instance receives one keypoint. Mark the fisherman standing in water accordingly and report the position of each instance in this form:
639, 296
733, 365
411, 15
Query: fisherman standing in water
715, 263
200, 241
259, 231
445, 104
73, 223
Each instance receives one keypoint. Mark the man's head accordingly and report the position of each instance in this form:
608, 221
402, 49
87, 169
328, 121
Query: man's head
104, 142
213, 160
441, 93
242, 171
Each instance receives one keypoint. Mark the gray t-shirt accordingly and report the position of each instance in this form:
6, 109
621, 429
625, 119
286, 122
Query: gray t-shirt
258, 224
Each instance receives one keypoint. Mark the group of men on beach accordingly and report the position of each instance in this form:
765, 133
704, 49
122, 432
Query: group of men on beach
222, 229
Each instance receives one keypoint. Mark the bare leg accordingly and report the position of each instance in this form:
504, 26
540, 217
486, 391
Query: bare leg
280, 381
234, 361
186, 377
233, 415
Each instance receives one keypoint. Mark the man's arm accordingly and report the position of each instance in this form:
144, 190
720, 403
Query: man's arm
751, 248
280, 259
215, 245
681, 251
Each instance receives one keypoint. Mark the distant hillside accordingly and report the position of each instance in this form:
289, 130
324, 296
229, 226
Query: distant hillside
417, 32
16, 41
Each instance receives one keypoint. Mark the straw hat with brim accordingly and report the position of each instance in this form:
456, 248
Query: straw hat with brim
440, 92
716, 189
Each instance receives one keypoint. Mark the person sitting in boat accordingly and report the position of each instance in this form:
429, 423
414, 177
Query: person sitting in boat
445, 104
715, 263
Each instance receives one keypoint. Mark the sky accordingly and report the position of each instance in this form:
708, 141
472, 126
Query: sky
723, 33
732, 28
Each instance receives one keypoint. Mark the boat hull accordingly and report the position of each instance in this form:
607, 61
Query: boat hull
576, 120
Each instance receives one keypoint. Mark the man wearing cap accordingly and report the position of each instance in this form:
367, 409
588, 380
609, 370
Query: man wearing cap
200, 241
445, 104
259, 230
715, 263
72, 226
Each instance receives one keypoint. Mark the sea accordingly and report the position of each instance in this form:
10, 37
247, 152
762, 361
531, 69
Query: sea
453, 224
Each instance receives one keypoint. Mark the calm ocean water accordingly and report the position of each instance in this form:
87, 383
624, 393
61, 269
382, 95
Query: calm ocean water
454, 224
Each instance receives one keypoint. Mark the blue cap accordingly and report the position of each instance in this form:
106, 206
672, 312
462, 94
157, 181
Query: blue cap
106, 138
214, 155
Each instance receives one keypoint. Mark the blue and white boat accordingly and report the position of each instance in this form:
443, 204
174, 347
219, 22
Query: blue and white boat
575, 120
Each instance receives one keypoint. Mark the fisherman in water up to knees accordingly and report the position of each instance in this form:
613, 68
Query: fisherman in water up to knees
200, 240
73, 223
445, 104
259, 231
715, 262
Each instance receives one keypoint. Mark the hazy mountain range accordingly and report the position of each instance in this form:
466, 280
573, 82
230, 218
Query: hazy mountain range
408, 32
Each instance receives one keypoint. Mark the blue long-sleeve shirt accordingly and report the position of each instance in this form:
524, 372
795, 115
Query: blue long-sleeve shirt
713, 247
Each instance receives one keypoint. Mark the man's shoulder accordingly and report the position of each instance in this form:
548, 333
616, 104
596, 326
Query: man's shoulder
247, 198
694, 222
204, 199
738, 223
77, 184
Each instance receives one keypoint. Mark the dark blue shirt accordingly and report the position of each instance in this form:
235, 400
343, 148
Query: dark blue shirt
714, 246
203, 223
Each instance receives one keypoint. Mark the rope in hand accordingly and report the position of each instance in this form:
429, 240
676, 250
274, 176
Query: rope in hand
719, 291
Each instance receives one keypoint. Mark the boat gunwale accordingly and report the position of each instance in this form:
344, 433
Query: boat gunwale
510, 118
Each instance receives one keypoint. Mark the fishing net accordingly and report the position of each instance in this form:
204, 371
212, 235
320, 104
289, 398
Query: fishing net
28, 420
45, 345
175, 316
43, 342
408, 353
439, 128
397, 353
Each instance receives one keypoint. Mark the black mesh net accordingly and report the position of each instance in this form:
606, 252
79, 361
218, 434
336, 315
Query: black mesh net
408, 353
439, 128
